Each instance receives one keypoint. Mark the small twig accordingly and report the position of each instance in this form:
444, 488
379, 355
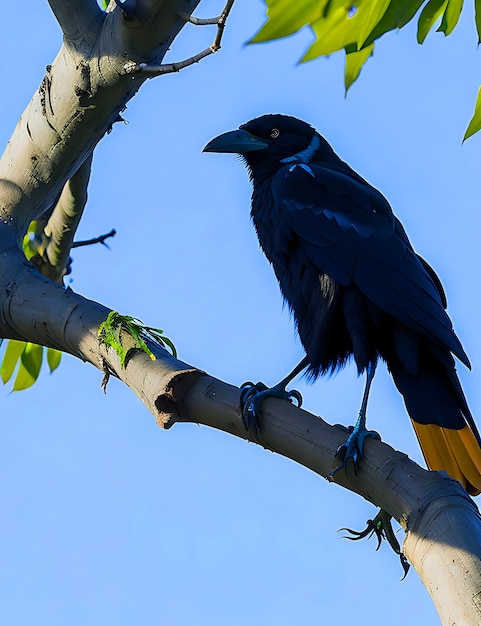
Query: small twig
106, 377
168, 68
198, 21
221, 24
101, 239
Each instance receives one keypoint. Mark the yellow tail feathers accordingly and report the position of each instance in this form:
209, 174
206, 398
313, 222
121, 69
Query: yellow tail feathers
457, 452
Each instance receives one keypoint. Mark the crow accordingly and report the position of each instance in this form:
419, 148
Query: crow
356, 288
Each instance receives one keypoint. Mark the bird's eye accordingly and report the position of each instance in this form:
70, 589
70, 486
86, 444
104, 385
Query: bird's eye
275, 132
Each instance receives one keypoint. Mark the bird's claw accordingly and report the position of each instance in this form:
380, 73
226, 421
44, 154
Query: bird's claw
248, 389
249, 405
346, 429
352, 449
252, 396
380, 526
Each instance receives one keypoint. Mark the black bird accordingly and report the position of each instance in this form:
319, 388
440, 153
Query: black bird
355, 286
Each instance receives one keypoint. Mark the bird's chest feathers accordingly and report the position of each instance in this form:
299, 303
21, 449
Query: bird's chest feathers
278, 241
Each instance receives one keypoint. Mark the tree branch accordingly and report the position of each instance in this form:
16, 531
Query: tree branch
100, 239
78, 19
128, 7
442, 523
434, 509
149, 33
152, 70
59, 232
80, 98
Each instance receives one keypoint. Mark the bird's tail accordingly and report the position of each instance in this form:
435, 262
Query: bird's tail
457, 452
442, 420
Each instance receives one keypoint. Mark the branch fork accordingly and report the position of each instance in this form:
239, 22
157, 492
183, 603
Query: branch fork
169, 68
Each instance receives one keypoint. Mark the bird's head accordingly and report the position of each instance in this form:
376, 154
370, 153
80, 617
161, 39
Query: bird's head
271, 141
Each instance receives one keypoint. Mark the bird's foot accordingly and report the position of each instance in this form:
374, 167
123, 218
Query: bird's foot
252, 397
346, 429
352, 449
380, 526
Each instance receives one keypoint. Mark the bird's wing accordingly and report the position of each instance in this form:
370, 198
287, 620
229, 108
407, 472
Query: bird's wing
349, 232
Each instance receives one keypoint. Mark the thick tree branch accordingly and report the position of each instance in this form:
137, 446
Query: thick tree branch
80, 98
443, 528
78, 19
434, 509
153, 28
431, 506
57, 238
129, 7
442, 523
66, 216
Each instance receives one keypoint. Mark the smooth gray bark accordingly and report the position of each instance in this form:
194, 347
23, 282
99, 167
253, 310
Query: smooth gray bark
77, 18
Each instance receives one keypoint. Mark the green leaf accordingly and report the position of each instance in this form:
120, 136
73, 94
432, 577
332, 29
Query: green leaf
341, 27
30, 365
354, 64
167, 342
23, 380
477, 17
397, 15
53, 358
475, 123
32, 359
13, 352
28, 357
451, 16
428, 17
110, 334
285, 17
372, 13
30, 243
333, 32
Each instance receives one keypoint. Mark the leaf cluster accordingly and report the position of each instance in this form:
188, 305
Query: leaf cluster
26, 359
111, 330
355, 25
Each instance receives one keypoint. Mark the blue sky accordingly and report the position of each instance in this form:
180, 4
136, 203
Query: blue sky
108, 520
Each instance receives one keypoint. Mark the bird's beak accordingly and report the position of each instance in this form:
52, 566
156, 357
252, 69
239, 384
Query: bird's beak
238, 141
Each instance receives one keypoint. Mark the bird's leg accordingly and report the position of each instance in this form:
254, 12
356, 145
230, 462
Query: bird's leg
380, 526
353, 447
253, 395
